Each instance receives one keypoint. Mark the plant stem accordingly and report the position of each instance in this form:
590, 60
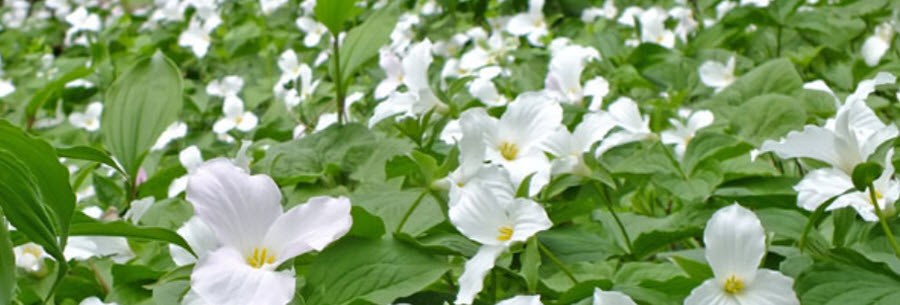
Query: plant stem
339, 90
609, 206
410, 211
884, 225
557, 262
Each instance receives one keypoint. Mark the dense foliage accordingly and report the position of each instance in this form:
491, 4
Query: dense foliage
449, 152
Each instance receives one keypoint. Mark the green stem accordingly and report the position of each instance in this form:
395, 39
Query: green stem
884, 225
410, 211
338, 80
609, 206
557, 262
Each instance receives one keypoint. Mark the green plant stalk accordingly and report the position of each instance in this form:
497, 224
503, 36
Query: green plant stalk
884, 225
609, 206
338, 86
557, 262
410, 211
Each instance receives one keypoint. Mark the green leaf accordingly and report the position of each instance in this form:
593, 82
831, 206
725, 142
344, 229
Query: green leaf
388, 202
864, 174
138, 108
531, 263
7, 265
775, 76
334, 13
39, 200
362, 42
53, 90
376, 271
88, 153
345, 147
849, 280
768, 116
650, 234
84, 226
712, 145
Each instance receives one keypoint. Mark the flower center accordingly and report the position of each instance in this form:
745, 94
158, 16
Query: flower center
260, 257
239, 119
505, 233
508, 150
33, 250
878, 196
733, 285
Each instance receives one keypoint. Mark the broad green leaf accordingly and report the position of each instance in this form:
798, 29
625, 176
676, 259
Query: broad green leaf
712, 145
84, 226
38, 199
768, 116
139, 106
649, 234
334, 13
7, 264
338, 148
826, 28
376, 271
531, 263
363, 41
775, 76
760, 191
849, 280
390, 203
87, 153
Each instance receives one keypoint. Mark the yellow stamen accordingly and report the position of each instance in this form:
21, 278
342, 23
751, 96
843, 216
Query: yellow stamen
260, 258
239, 119
733, 285
506, 233
33, 250
508, 150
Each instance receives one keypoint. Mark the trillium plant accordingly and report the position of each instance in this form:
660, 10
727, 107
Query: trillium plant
464, 152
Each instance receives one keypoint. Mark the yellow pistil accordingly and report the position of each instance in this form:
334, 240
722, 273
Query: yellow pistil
733, 285
260, 258
239, 119
33, 250
506, 233
508, 150
878, 196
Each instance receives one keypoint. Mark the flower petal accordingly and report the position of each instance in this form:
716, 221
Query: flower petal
735, 243
472, 279
238, 207
611, 298
309, 226
769, 288
710, 293
223, 277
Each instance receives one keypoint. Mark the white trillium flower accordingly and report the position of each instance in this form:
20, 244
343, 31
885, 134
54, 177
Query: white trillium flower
876, 45
563, 79
757, 3
86, 247
174, 131
138, 208
608, 11
300, 74
522, 300
516, 140
81, 20
496, 220
313, 29
735, 245
235, 117
245, 214
227, 86
530, 24
611, 298
30, 256
418, 98
822, 184
653, 27
393, 69
6, 85
683, 133
190, 159
845, 141
568, 147
686, 23
402, 35
716, 75
624, 113
196, 36
629, 15
269, 6
89, 119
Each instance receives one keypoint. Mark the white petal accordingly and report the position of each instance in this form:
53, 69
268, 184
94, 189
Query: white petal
611, 298
480, 214
223, 277
309, 226
769, 288
716, 75
873, 49
223, 125
522, 300
813, 142
699, 120
529, 218
238, 207
820, 85
711, 293
820, 185
199, 236
248, 121
528, 120
735, 243
396, 103
472, 279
